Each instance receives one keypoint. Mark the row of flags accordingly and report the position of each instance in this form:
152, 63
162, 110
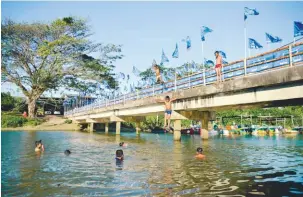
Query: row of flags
253, 44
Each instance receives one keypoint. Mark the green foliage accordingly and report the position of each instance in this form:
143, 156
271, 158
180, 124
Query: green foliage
12, 121
7, 102
68, 121
287, 112
39, 57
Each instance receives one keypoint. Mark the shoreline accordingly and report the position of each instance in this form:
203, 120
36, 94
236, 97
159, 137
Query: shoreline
36, 129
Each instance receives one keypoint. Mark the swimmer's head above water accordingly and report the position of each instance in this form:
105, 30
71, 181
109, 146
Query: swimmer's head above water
122, 144
67, 152
119, 154
199, 150
39, 146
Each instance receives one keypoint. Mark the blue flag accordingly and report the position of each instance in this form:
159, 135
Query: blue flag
136, 71
188, 42
164, 58
253, 44
121, 75
204, 31
272, 39
298, 29
208, 62
222, 54
176, 52
194, 66
249, 11
224, 62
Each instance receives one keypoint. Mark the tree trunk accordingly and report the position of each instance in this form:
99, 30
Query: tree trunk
31, 108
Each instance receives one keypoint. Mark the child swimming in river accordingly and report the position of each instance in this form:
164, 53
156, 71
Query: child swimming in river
119, 155
39, 146
168, 110
199, 154
122, 144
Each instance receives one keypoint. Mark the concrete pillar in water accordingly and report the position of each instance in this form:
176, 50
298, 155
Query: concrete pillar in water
204, 125
138, 128
106, 127
177, 130
118, 128
91, 127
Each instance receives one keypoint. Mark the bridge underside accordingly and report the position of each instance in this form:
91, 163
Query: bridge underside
275, 89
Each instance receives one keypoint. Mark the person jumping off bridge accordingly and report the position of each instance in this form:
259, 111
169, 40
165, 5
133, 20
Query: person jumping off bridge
168, 110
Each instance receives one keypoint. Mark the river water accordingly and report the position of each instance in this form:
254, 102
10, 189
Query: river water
154, 165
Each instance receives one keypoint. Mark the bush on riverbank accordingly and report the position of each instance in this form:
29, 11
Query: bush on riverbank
10, 120
68, 121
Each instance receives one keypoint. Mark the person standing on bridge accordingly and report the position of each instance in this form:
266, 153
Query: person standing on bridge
218, 66
168, 110
158, 74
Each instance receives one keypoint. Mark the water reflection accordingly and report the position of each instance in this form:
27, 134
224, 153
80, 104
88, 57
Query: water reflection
154, 165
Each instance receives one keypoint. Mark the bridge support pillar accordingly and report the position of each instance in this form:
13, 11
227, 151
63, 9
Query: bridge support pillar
138, 128
118, 128
106, 127
204, 125
91, 127
177, 130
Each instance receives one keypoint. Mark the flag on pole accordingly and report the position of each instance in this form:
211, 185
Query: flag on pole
176, 52
224, 62
164, 58
188, 42
249, 11
136, 71
121, 75
253, 44
298, 28
272, 39
222, 54
204, 31
209, 62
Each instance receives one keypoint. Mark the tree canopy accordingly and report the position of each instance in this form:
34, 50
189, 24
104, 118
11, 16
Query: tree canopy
45, 56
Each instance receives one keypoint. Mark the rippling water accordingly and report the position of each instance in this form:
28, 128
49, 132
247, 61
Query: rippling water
154, 165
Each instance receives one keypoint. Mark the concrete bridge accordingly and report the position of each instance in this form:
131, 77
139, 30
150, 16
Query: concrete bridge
277, 86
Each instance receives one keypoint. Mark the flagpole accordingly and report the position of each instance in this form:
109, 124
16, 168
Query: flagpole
204, 81
245, 45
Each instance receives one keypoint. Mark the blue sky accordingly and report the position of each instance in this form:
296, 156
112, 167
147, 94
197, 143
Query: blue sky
145, 28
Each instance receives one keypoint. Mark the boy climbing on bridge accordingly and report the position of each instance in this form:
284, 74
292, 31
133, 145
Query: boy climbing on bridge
168, 110
158, 74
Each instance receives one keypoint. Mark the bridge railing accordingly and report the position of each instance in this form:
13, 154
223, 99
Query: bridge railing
275, 59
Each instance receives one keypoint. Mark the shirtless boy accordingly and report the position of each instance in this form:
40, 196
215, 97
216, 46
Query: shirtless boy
218, 66
158, 74
168, 109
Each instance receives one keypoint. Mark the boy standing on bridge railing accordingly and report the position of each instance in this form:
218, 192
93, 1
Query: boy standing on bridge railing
218, 66
168, 110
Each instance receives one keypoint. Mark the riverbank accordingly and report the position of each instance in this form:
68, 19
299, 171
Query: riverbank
53, 123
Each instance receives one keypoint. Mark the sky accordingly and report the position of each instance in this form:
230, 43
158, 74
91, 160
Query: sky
145, 28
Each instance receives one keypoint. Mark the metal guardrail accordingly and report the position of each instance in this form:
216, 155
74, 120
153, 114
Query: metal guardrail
268, 61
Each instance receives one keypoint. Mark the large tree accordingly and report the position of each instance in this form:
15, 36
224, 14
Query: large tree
39, 57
